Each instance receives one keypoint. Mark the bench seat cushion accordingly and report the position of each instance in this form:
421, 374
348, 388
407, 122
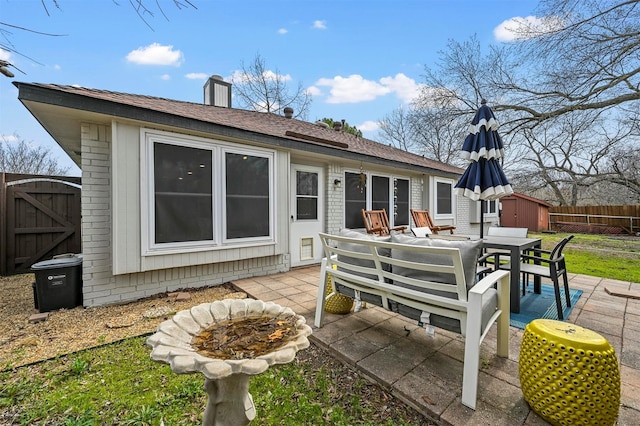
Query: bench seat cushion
469, 252
362, 249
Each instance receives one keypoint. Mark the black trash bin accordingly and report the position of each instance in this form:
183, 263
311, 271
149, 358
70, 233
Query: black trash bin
58, 283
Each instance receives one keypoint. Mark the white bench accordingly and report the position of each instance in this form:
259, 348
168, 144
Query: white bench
423, 279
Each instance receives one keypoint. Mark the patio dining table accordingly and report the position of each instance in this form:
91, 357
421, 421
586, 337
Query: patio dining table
516, 246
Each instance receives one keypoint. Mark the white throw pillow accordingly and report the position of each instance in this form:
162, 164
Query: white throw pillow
422, 231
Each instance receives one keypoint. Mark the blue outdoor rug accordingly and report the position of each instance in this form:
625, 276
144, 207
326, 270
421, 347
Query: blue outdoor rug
543, 305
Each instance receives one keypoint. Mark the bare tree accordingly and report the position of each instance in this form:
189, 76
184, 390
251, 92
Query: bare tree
566, 93
258, 88
396, 130
435, 133
580, 55
20, 156
625, 169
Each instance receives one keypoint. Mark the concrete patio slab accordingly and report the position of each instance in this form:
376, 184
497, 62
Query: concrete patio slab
426, 372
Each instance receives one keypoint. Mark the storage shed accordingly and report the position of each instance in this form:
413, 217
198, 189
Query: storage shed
522, 211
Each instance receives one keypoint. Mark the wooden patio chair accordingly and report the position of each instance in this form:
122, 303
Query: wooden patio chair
422, 218
377, 222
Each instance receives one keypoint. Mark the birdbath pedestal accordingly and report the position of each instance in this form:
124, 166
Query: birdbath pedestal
189, 343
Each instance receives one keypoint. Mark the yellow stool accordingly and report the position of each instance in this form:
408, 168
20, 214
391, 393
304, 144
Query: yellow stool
569, 375
338, 303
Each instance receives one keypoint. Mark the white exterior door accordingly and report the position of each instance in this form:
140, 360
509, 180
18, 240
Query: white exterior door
307, 214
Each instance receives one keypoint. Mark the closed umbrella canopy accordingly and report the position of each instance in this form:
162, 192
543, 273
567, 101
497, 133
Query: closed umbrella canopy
483, 179
483, 139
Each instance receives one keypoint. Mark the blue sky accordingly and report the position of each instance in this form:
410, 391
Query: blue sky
360, 59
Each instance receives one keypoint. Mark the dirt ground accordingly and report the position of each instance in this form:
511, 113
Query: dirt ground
69, 330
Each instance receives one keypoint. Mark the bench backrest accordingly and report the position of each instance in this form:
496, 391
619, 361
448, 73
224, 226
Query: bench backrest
367, 263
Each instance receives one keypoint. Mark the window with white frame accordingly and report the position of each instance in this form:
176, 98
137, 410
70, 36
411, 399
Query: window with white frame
203, 193
444, 198
376, 192
491, 207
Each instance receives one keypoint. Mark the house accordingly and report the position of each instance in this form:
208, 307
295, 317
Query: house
179, 194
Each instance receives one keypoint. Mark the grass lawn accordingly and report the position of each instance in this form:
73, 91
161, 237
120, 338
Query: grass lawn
118, 384
604, 256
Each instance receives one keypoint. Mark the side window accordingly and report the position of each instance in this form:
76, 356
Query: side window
247, 196
444, 198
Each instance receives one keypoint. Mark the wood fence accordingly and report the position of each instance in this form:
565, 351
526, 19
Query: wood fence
596, 219
40, 218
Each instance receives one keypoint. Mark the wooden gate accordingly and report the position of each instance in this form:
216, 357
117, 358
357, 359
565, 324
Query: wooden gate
40, 219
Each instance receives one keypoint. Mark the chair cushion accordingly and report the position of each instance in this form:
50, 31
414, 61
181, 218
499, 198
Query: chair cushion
469, 251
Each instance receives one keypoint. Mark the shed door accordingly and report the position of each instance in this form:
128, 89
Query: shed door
307, 214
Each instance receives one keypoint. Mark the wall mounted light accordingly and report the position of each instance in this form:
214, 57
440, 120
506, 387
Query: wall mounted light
337, 183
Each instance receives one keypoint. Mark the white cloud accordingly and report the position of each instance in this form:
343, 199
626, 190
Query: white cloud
197, 76
368, 126
282, 31
355, 88
156, 54
352, 89
5, 55
165, 77
320, 25
10, 138
404, 87
314, 91
519, 28
57, 67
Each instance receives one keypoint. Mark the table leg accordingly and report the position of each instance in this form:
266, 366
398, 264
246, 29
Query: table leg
537, 281
515, 280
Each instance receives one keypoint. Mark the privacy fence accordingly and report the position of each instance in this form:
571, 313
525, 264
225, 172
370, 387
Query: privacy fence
40, 218
596, 219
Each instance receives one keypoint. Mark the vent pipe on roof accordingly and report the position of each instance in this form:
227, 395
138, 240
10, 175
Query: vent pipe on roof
217, 92
288, 112
337, 125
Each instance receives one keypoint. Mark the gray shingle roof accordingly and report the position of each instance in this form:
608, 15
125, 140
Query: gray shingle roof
258, 123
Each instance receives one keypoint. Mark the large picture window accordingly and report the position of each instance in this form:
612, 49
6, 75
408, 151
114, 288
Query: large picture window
203, 193
182, 194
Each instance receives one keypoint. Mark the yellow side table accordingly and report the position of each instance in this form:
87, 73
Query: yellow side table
568, 374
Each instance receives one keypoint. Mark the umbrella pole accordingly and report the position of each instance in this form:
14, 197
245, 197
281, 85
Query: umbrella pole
482, 218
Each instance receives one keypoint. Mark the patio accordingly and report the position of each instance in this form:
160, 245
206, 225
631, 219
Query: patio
426, 372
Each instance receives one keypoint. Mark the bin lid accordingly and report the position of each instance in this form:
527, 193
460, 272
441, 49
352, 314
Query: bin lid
63, 262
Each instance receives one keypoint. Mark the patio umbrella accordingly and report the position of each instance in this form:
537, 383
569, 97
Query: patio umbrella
483, 179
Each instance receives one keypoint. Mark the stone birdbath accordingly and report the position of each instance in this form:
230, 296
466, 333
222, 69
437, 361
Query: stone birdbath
228, 341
